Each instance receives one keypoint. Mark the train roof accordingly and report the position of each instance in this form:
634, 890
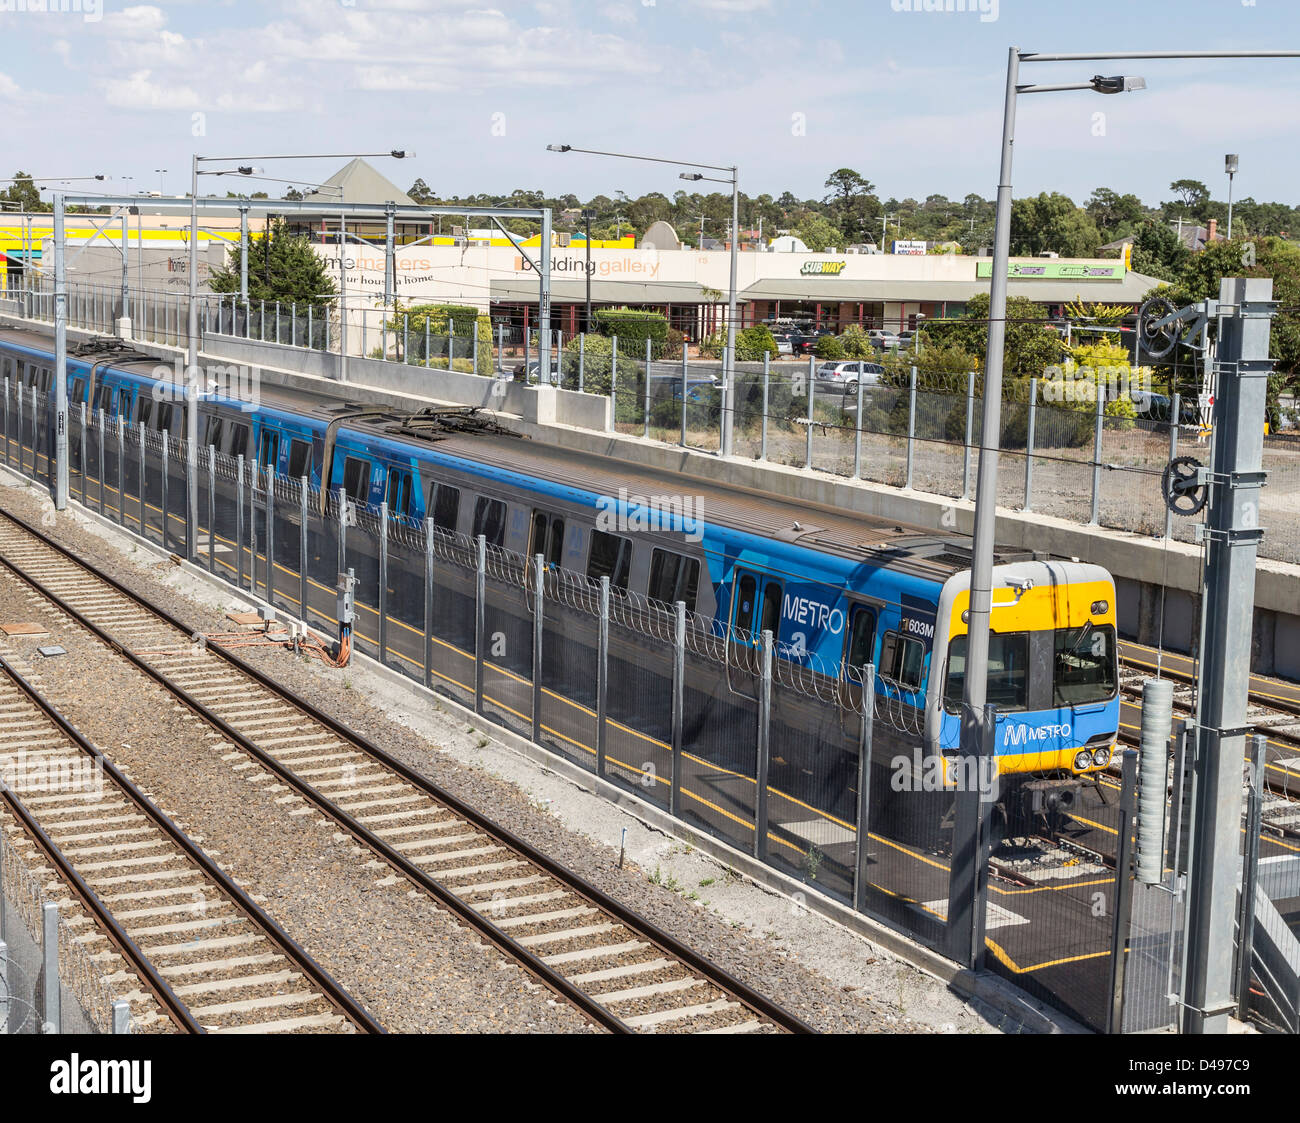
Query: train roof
849, 534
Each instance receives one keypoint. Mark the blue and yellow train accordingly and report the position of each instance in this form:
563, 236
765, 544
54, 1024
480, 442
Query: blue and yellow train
836, 589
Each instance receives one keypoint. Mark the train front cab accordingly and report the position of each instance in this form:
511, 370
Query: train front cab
1053, 676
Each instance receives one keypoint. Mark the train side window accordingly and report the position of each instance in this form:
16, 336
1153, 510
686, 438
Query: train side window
29, 375
610, 556
861, 644
270, 448
213, 436
674, 577
746, 602
356, 479
163, 418
47, 376
901, 660
78, 390
6, 366
239, 440
144, 410
124, 402
399, 492
547, 537
105, 398
490, 520
444, 504
299, 459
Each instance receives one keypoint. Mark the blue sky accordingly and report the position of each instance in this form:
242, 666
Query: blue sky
787, 89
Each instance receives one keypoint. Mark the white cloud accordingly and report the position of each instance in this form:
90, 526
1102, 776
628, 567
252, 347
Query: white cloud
9, 89
139, 91
734, 7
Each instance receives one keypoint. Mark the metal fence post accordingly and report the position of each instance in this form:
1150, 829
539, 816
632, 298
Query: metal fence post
277, 321
473, 357
812, 394
304, 485
1100, 394
121, 1016
1175, 418
8, 458
406, 340
140, 431
646, 411
970, 435
539, 587
239, 522
311, 335
343, 531
501, 347
51, 1006
613, 379
166, 471
911, 428
582, 359
679, 700
99, 414
428, 602
684, 387
121, 471
270, 534
1123, 908
383, 581
1029, 444
85, 415
19, 397
480, 617
767, 374
1250, 871
866, 729
763, 761
602, 676
857, 432
212, 509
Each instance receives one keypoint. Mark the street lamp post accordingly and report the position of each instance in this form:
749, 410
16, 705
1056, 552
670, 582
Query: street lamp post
1230, 166
729, 355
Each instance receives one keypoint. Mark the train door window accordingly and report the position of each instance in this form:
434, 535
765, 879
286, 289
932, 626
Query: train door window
547, 537
144, 410
6, 367
299, 459
444, 505
771, 621
163, 418
270, 449
47, 376
673, 578
746, 602
490, 520
860, 647
610, 556
105, 398
1008, 677
399, 492
29, 375
124, 402
356, 479
213, 435
239, 440
901, 660
78, 390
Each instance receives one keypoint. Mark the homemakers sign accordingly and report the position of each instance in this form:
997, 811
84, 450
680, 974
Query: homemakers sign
822, 268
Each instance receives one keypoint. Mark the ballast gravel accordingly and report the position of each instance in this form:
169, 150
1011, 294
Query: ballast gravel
411, 964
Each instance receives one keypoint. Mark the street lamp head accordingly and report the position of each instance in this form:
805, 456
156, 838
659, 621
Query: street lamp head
692, 176
1230, 163
559, 148
1118, 83
400, 154
99, 177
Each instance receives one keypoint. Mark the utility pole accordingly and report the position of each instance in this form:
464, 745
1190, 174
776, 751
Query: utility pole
1232, 528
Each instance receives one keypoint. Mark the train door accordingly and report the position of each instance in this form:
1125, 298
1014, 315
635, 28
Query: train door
859, 650
398, 495
755, 608
270, 452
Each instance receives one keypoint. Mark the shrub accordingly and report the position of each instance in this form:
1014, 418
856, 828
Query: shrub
712, 346
753, 343
597, 355
856, 343
829, 347
633, 327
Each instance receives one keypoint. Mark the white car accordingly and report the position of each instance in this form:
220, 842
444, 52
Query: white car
847, 373
882, 339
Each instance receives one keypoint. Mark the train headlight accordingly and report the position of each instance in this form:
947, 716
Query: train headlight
1099, 607
1082, 760
1101, 757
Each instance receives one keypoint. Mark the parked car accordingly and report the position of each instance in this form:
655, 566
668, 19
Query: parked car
699, 388
845, 374
883, 340
806, 343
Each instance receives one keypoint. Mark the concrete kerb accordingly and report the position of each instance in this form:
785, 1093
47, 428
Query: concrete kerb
990, 989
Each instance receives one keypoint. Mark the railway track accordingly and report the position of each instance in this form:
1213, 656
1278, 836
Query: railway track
619, 969
210, 958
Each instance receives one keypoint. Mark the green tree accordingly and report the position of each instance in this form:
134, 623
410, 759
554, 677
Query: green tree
1031, 346
420, 192
818, 235
25, 193
281, 266
1115, 215
849, 191
1190, 194
1159, 252
1044, 223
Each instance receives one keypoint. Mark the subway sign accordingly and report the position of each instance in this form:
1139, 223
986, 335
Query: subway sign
822, 268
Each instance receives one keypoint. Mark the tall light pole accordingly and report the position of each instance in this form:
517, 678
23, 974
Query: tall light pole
729, 355
1213, 882
1230, 166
